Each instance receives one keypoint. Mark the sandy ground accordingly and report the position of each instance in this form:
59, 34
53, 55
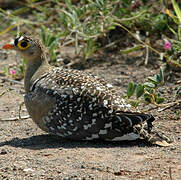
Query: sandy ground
26, 152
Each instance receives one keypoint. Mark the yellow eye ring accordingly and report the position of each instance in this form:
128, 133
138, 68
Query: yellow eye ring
23, 45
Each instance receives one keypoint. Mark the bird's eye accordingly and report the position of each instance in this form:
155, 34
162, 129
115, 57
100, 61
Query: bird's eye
23, 45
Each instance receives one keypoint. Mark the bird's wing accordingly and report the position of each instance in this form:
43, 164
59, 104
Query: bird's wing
62, 81
95, 94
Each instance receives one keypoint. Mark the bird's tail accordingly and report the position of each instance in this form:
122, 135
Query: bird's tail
152, 134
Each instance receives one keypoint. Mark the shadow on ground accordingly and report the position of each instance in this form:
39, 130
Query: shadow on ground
51, 141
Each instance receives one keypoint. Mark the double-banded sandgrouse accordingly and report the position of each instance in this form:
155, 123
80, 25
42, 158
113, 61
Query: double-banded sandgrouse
77, 105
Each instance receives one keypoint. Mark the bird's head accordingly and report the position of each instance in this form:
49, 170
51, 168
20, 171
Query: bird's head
30, 48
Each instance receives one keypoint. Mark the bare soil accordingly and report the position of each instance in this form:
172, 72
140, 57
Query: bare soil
26, 152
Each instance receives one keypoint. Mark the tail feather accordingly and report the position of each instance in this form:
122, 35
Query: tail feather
125, 119
141, 124
152, 134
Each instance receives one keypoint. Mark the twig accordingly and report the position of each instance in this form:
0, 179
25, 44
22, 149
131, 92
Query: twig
173, 64
74, 61
147, 55
15, 118
19, 111
169, 105
67, 43
19, 115
3, 93
128, 50
131, 18
133, 35
170, 173
163, 109
13, 81
164, 106
150, 109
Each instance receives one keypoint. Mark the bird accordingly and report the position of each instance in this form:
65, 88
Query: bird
77, 105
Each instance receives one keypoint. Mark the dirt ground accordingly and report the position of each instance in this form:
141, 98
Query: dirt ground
26, 152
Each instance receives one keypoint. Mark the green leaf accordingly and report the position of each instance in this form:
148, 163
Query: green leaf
134, 103
139, 90
48, 39
172, 30
69, 4
152, 80
53, 47
51, 40
53, 57
161, 75
131, 89
158, 78
179, 32
149, 85
177, 10
147, 98
159, 100
112, 27
43, 34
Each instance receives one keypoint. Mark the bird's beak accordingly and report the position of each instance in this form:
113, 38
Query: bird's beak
8, 46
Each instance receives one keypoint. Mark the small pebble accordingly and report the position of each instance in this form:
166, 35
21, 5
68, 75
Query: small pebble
172, 148
82, 166
3, 151
28, 170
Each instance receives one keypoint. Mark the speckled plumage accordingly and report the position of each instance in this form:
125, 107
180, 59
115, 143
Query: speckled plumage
84, 107
77, 105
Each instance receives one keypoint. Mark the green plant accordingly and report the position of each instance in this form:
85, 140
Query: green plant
50, 40
177, 20
173, 56
16, 71
147, 92
81, 24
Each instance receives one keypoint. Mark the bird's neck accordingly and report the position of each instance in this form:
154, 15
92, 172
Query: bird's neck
34, 70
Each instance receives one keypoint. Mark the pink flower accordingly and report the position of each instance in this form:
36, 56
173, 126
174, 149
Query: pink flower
12, 71
167, 45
